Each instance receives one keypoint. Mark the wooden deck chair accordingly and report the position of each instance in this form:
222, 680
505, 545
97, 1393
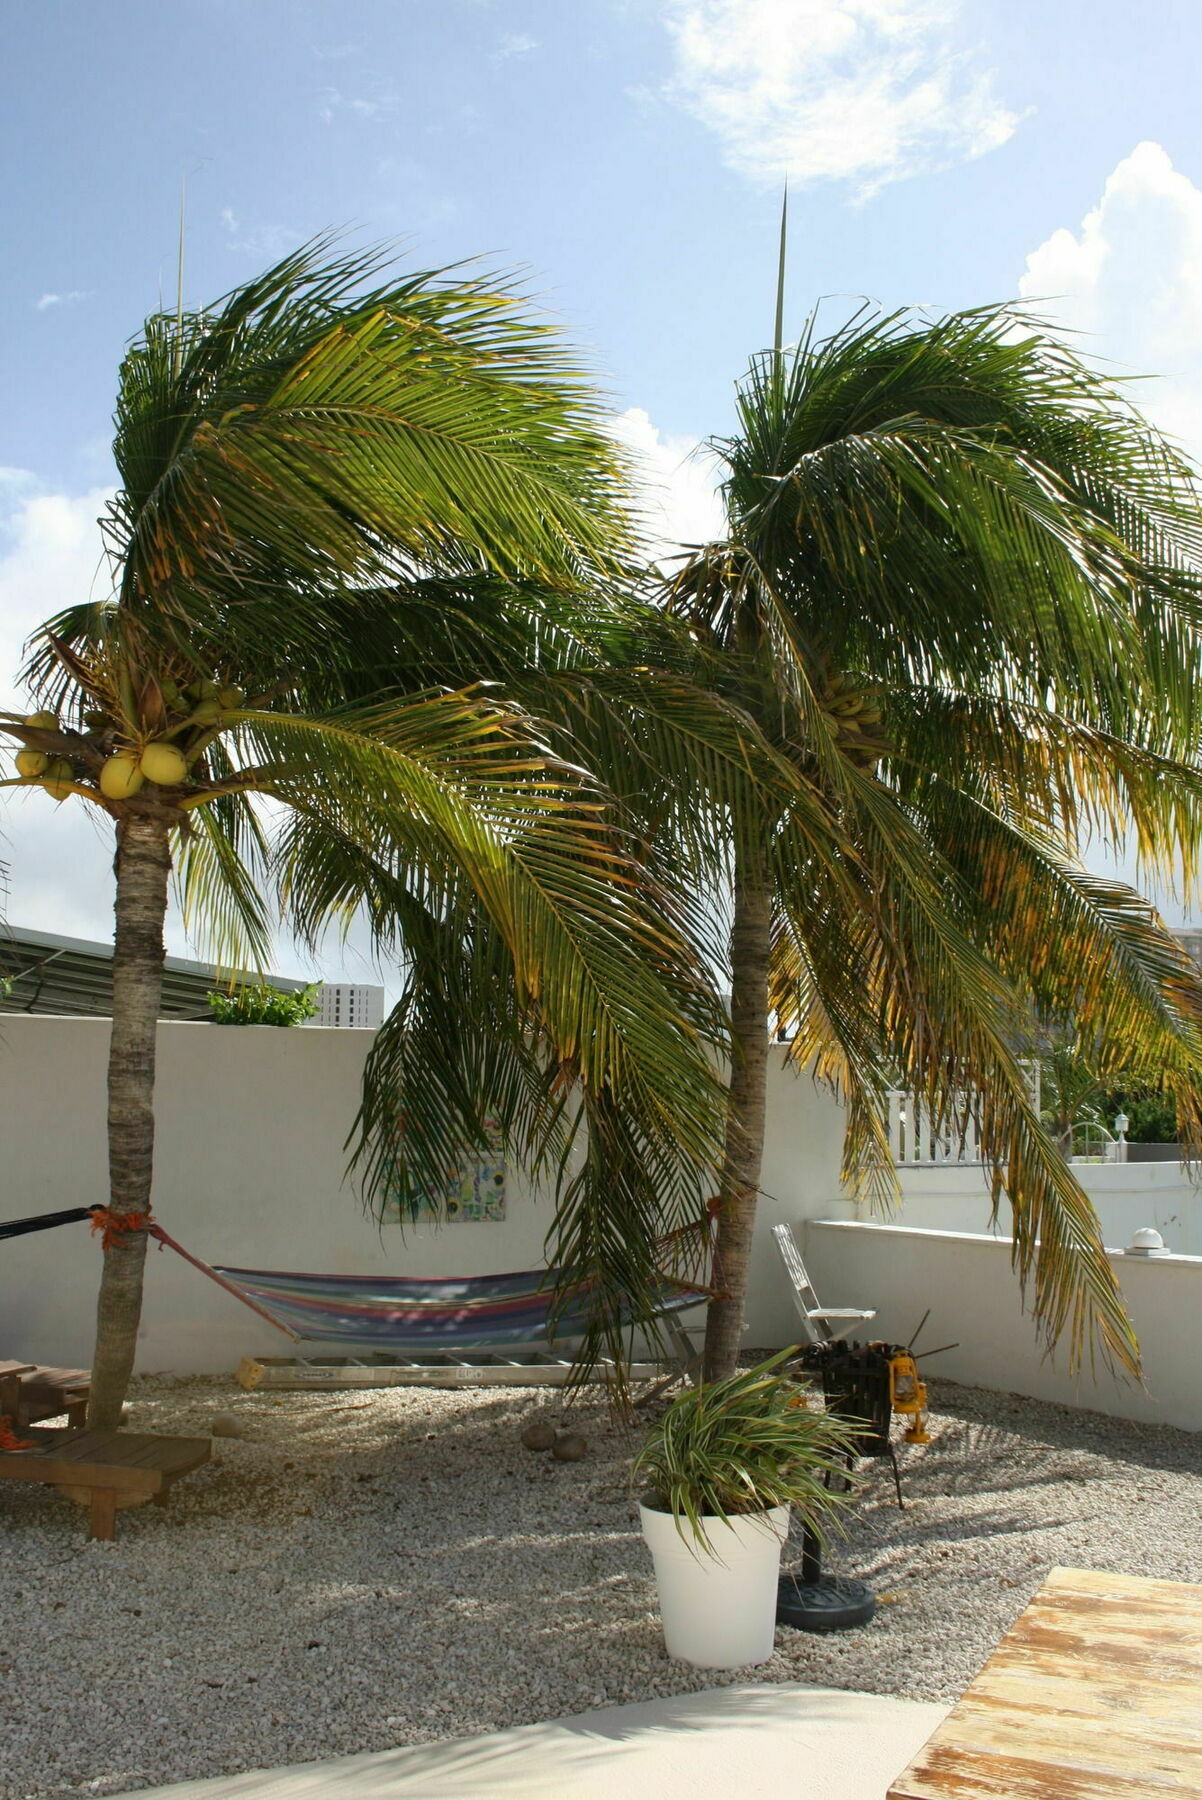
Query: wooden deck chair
823, 1324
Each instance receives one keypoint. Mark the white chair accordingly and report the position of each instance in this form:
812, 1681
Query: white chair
823, 1324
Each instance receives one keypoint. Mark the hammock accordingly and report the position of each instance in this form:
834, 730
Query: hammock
473, 1312
403, 1313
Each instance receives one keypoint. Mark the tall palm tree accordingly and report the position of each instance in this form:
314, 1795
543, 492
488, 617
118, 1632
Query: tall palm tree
342, 495
959, 604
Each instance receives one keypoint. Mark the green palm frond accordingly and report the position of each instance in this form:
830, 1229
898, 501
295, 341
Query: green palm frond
340, 426
958, 533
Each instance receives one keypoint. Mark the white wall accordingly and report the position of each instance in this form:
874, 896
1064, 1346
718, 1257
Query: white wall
1126, 1197
967, 1282
249, 1171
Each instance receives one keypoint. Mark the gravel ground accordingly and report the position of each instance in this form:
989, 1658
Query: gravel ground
361, 1572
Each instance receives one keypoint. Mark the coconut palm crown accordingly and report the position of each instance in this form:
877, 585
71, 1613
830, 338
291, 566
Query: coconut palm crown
344, 497
958, 606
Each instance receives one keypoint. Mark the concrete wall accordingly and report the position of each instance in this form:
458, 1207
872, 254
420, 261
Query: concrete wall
967, 1282
1126, 1197
249, 1171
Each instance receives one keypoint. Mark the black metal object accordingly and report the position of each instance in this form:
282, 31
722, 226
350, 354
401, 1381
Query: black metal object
855, 1385
832, 1603
72, 1215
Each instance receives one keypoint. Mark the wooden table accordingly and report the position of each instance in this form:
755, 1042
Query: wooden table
106, 1470
1096, 1692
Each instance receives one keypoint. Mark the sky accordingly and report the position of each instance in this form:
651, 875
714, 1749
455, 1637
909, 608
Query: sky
627, 156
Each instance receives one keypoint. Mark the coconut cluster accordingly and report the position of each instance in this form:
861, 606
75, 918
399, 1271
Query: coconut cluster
184, 716
856, 719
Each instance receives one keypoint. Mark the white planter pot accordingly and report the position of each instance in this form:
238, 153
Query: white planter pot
718, 1604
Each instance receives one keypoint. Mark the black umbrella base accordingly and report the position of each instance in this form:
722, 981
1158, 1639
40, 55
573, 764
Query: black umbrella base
828, 1604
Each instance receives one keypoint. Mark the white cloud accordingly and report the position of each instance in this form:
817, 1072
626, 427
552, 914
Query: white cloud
1129, 281
332, 102
680, 503
45, 301
271, 241
515, 43
863, 91
59, 858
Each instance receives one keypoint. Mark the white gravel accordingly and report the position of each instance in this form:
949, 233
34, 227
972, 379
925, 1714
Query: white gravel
360, 1572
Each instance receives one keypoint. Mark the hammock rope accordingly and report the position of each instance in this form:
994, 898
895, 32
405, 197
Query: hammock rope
166, 1240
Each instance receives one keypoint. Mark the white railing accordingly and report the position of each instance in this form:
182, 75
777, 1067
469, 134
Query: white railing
920, 1138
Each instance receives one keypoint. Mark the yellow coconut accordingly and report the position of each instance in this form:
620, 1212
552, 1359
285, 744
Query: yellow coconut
120, 776
58, 778
164, 765
43, 721
31, 763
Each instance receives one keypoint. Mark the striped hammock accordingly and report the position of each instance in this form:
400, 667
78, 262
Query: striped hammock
473, 1312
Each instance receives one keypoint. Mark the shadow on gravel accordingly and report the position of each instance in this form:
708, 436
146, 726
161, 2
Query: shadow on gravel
1069, 1428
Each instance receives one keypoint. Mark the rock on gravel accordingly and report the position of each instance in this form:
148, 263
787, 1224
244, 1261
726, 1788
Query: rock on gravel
363, 1572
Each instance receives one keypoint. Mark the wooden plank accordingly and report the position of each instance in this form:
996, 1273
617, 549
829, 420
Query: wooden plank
102, 1514
298, 1374
126, 1461
1095, 1693
10, 1388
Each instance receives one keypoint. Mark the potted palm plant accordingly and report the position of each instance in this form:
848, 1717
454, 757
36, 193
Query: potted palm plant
718, 1475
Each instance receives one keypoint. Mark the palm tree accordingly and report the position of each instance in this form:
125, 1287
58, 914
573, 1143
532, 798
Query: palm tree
341, 496
959, 606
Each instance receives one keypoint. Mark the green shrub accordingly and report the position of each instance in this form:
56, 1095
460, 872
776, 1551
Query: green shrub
263, 1005
1152, 1115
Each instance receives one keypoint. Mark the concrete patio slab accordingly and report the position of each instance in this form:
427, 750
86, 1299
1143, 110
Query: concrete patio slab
776, 1741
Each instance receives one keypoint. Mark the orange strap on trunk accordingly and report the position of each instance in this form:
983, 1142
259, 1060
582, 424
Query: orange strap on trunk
112, 1224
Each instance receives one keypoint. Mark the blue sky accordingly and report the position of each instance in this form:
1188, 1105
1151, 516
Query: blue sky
628, 153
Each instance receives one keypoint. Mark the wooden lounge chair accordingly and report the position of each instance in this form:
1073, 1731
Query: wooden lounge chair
31, 1392
823, 1324
105, 1470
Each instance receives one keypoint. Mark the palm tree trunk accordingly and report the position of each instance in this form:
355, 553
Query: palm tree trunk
750, 950
143, 866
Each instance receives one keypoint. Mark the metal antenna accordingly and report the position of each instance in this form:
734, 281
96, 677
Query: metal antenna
779, 335
179, 279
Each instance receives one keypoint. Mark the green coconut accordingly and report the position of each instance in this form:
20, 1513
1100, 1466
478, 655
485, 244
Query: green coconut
95, 718
120, 776
207, 712
231, 698
31, 763
203, 690
58, 778
164, 765
43, 721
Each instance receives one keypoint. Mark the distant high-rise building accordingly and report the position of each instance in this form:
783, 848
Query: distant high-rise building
1190, 940
346, 1003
